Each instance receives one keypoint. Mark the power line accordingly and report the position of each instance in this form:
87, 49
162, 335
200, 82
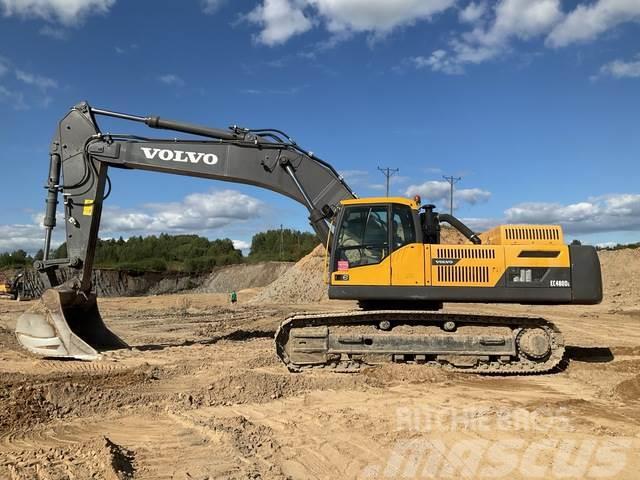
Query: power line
388, 173
452, 181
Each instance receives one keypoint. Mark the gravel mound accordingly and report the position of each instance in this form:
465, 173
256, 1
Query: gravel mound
451, 236
239, 277
621, 276
302, 283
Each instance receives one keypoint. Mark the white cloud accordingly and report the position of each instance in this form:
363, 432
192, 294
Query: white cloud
480, 224
512, 19
603, 214
438, 191
606, 213
196, 213
586, 22
213, 212
172, 80
241, 244
355, 177
14, 99
438, 61
472, 12
123, 50
472, 196
53, 32
36, 80
29, 237
4, 66
212, 6
282, 19
622, 69
376, 16
273, 91
67, 12
494, 31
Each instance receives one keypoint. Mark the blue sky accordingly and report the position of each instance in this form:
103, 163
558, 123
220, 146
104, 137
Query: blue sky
534, 103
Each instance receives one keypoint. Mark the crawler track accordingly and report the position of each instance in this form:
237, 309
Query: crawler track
346, 341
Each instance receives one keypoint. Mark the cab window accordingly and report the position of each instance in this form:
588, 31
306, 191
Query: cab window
363, 237
404, 231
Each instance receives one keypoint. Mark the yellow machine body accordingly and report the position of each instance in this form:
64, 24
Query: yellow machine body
513, 263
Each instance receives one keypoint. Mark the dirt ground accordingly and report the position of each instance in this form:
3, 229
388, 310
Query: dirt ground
202, 395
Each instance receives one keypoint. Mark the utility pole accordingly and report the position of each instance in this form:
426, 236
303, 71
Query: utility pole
388, 173
281, 242
452, 180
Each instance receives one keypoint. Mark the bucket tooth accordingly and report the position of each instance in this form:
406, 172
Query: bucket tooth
66, 324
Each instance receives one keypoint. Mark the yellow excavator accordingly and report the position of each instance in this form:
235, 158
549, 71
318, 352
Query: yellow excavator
11, 288
383, 252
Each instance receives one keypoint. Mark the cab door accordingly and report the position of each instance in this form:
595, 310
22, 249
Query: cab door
407, 256
362, 247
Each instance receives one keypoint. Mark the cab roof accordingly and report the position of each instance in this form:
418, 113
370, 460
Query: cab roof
378, 200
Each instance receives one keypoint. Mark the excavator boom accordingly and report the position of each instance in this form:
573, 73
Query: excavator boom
68, 323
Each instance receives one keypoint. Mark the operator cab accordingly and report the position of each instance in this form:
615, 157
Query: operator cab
365, 236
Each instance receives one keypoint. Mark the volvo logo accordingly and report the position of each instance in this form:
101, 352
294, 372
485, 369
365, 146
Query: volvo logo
445, 261
179, 156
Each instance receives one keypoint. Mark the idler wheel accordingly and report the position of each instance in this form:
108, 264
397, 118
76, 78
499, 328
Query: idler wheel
534, 343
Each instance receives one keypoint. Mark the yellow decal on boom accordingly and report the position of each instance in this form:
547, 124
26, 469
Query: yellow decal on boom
88, 207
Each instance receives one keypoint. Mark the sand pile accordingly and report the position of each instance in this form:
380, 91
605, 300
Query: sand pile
451, 236
239, 277
302, 283
621, 277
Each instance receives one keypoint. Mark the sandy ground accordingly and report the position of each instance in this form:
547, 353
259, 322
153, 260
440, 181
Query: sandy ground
202, 395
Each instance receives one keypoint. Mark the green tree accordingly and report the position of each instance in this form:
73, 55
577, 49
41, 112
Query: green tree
287, 245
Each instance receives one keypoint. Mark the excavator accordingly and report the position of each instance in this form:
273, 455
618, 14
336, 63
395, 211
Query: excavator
12, 288
383, 252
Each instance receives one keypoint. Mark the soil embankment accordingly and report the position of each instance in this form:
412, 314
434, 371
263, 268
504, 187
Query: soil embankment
240, 277
121, 283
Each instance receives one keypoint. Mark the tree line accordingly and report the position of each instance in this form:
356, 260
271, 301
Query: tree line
183, 253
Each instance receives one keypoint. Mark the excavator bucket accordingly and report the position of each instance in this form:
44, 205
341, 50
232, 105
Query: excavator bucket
66, 325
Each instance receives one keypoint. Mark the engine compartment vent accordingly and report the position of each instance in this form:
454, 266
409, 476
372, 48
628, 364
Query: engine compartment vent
532, 233
466, 274
524, 235
460, 253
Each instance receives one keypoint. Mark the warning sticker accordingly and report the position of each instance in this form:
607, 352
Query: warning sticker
87, 209
343, 265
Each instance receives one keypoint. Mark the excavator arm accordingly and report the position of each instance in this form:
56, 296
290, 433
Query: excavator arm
80, 157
